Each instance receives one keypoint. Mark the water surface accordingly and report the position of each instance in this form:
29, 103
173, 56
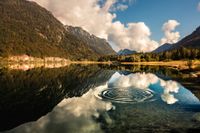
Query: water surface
96, 98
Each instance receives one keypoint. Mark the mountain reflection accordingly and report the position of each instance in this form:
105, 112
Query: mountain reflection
28, 95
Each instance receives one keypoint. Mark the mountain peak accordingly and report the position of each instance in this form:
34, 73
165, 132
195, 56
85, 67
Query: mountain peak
197, 31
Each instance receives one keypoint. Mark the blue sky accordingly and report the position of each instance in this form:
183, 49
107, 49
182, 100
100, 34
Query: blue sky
156, 12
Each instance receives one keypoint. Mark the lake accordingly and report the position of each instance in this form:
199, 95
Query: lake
100, 99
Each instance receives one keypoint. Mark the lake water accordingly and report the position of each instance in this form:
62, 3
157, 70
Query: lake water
98, 99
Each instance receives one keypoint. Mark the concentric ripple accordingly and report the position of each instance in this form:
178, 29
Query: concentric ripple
127, 95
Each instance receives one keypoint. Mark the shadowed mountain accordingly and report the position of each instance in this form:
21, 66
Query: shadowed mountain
27, 95
190, 41
27, 28
100, 46
163, 48
126, 52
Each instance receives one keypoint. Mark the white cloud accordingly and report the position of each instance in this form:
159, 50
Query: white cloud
115, 5
170, 35
198, 7
135, 36
108, 4
120, 7
98, 20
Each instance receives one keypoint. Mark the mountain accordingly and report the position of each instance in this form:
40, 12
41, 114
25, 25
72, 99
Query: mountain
27, 28
190, 41
126, 52
100, 46
163, 48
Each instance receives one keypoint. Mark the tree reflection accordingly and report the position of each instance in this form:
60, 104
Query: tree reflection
28, 95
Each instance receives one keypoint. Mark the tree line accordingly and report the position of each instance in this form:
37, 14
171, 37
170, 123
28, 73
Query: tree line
176, 54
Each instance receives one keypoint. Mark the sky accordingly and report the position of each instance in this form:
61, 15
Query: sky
156, 12
140, 25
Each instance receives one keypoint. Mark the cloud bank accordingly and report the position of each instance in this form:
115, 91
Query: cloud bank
135, 36
98, 17
170, 35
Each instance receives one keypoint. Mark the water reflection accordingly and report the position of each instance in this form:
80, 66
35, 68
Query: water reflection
91, 99
127, 95
28, 95
76, 114
138, 87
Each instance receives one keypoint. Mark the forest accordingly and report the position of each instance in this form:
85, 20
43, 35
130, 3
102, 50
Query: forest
176, 54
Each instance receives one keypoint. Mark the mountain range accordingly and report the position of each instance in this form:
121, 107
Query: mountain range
190, 41
27, 28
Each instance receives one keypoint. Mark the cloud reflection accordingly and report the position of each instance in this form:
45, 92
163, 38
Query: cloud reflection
71, 113
79, 114
169, 98
87, 105
138, 80
144, 81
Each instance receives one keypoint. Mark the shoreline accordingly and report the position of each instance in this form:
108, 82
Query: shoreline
180, 65
51, 62
175, 63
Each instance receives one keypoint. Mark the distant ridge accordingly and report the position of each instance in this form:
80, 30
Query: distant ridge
126, 52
